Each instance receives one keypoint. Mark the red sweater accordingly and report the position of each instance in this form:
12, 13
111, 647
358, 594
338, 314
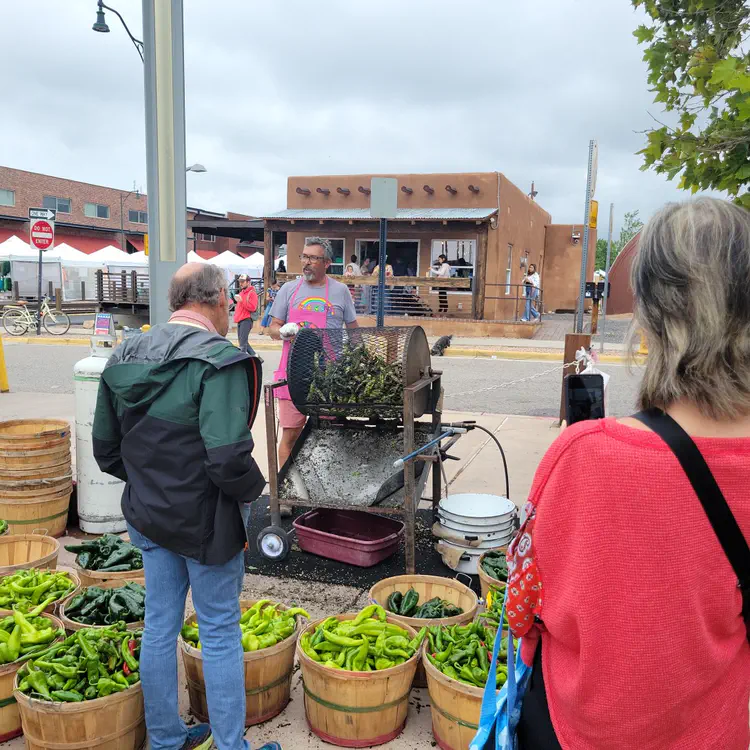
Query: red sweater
246, 304
643, 643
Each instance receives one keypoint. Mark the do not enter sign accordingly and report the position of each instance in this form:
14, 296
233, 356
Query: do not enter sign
42, 234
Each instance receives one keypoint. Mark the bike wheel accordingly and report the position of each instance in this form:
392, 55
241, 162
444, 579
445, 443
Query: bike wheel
56, 323
15, 322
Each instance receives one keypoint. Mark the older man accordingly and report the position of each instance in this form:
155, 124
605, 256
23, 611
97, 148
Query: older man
291, 311
173, 420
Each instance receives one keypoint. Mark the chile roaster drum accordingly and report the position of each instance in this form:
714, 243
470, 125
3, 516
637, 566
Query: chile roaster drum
358, 372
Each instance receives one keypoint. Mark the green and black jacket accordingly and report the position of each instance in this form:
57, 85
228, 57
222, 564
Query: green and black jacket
173, 419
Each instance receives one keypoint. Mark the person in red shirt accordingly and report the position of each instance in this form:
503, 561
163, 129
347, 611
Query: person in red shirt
246, 303
628, 606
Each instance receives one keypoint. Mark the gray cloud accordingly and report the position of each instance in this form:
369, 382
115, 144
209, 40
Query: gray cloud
280, 87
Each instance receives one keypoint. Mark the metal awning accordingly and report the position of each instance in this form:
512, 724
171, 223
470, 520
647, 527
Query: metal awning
402, 214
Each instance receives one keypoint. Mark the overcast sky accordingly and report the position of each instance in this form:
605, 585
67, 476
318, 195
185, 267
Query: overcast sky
281, 87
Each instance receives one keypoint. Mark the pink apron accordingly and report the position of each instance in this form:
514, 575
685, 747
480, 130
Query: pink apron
311, 312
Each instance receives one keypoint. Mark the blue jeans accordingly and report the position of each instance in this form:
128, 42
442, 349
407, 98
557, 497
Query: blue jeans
531, 312
216, 592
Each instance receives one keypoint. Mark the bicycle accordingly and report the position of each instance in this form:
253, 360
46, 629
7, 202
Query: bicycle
17, 319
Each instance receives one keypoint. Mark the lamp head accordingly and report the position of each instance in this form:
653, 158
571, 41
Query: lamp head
101, 24
196, 168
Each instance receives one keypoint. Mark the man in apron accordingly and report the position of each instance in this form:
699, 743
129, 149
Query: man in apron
314, 301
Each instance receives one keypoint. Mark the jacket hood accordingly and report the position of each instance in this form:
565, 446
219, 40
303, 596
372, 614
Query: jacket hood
144, 365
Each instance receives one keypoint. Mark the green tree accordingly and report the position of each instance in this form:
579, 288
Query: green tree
698, 60
631, 225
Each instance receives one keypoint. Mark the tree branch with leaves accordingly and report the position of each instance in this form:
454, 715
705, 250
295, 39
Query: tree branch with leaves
698, 57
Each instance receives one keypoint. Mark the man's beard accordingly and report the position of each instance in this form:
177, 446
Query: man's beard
309, 274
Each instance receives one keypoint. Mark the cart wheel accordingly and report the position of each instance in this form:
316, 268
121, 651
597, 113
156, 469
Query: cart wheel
273, 543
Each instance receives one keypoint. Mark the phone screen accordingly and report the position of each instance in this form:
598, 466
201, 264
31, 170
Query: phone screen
584, 397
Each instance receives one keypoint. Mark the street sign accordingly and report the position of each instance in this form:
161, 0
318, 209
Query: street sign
383, 197
42, 213
42, 234
594, 170
145, 244
593, 214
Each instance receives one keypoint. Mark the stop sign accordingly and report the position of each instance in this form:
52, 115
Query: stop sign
42, 234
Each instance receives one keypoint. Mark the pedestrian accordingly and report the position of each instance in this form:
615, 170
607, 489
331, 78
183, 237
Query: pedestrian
628, 605
271, 293
281, 268
315, 301
531, 287
173, 419
442, 269
245, 308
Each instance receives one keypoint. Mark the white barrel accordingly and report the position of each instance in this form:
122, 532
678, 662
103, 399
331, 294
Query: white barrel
98, 493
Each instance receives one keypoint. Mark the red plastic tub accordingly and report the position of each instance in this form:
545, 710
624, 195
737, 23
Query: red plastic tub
349, 536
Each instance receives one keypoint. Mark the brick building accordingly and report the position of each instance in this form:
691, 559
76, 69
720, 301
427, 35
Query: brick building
90, 217
490, 230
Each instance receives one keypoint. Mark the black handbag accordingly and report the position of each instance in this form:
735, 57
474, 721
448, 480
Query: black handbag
711, 497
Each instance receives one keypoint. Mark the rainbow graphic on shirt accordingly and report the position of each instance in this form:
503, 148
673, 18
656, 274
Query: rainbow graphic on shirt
314, 304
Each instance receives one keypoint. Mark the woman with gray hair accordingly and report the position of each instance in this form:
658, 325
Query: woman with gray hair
626, 591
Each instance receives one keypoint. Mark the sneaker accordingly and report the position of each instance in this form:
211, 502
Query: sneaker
199, 738
270, 746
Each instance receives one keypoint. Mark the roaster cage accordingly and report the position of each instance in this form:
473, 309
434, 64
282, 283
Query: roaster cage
357, 372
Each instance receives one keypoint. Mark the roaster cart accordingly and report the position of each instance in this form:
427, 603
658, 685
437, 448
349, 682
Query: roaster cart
364, 391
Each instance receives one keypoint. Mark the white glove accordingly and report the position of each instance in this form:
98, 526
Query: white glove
288, 331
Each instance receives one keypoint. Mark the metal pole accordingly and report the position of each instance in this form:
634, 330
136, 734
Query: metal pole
122, 225
381, 272
39, 298
164, 85
606, 276
585, 249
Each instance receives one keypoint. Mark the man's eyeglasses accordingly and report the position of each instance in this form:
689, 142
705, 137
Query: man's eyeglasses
312, 258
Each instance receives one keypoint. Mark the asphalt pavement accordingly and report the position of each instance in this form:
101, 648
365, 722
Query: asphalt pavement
471, 385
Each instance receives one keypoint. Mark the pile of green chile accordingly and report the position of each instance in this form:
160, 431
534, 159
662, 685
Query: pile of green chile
491, 617
365, 644
262, 626
25, 589
3, 526
23, 636
464, 653
495, 565
89, 664
97, 606
407, 605
108, 553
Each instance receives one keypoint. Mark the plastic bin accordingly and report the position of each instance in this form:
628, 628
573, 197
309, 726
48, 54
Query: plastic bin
349, 536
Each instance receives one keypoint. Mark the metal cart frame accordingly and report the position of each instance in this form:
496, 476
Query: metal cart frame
408, 510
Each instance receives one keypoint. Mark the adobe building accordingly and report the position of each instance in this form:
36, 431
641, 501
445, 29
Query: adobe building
621, 299
490, 230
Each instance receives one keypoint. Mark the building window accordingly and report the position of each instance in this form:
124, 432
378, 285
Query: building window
7, 197
95, 211
61, 205
509, 269
138, 217
206, 237
337, 245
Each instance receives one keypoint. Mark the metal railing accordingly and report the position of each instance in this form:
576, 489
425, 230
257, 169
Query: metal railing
123, 287
513, 303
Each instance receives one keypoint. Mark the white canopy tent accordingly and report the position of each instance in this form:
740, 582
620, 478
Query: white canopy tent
193, 257
77, 267
24, 270
255, 264
14, 246
140, 257
231, 263
113, 256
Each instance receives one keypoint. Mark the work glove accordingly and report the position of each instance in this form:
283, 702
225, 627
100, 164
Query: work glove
288, 331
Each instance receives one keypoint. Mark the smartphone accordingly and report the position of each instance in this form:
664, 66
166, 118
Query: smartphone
584, 397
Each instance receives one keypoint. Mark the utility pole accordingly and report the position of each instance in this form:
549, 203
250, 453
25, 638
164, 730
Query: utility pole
606, 276
590, 189
164, 87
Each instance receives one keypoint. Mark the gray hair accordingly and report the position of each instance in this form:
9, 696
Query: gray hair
691, 277
321, 242
201, 287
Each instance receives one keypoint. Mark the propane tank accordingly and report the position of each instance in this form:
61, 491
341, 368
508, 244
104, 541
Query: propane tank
99, 494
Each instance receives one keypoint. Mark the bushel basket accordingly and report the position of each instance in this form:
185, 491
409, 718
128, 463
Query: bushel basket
358, 372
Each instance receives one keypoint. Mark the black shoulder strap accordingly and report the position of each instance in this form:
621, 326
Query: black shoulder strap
710, 495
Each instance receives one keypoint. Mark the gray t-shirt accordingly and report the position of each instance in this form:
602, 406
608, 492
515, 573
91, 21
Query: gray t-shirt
342, 306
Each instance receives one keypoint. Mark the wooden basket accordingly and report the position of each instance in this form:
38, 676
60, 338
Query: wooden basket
10, 720
356, 709
33, 434
47, 509
456, 708
485, 581
54, 453
427, 587
99, 577
116, 722
268, 676
27, 551
71, 625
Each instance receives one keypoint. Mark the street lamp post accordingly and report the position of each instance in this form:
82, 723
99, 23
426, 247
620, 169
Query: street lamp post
123, 198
